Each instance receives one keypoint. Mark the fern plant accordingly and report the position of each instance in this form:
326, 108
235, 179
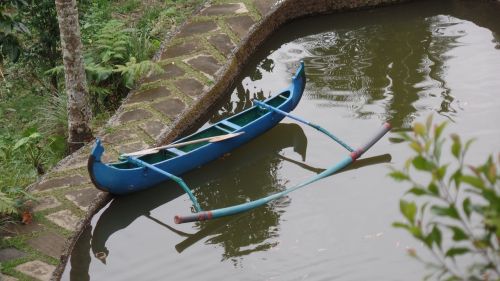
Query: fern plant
133, 70
113, 43
111, 64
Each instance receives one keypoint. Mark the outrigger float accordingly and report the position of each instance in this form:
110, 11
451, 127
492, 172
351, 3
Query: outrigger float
144, 169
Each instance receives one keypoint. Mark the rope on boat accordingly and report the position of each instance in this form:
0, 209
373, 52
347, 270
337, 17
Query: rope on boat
315, 126
232, 210
178, 180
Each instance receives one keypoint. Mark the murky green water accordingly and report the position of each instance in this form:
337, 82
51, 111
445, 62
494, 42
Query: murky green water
396, 63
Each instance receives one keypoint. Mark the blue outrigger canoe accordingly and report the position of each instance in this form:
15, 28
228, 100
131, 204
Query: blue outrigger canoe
128, 176
135, 174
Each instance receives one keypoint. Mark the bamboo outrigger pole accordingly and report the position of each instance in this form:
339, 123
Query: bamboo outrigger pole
315, 126
232, 210
178, 180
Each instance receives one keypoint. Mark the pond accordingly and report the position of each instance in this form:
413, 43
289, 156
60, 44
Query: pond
396, 64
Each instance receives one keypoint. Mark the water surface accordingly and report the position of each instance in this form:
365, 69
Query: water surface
395, 64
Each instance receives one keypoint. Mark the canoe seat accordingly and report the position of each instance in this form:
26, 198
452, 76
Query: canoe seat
283, 97
230, 124
176, 151
224, 129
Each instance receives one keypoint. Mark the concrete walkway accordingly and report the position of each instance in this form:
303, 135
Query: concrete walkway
200, 63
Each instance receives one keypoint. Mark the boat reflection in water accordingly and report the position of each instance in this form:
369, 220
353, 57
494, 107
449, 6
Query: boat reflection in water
248, 173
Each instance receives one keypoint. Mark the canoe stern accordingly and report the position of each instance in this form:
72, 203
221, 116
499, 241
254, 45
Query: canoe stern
93, 161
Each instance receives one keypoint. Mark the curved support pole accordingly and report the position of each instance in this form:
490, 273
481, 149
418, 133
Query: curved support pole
315, 126
170, 176
232, 210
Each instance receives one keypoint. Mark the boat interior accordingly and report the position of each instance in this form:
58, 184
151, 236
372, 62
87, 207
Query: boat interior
226, 126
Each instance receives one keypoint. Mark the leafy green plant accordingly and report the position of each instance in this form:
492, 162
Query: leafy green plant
33, 145
456, 211
30, 146
10, 28
14, 200
42, 46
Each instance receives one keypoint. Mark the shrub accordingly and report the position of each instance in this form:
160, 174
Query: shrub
456, 207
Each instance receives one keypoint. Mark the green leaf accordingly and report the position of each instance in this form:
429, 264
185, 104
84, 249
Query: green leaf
420, 163
434, 237
35, 136
452, 252
491, 173
438, 147
432, 187
438, 130
427, 145
399, 176
419, 129
450, 211
396, 140
467, 144
417, 191
428, 122
456, 147
416, 232
21, 142
458, 233
473, 181
456, 178
466, 206
401, 225
441, 172
416, 146
409, 210
491, 196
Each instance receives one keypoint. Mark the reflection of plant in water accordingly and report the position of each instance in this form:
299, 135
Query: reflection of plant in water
243, 95
463, 204
253, 231
399, 63
253, 174
266, 64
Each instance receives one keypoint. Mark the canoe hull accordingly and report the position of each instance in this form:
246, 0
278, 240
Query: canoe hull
116, 180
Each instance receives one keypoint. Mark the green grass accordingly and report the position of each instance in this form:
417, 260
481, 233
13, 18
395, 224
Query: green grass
129, 6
